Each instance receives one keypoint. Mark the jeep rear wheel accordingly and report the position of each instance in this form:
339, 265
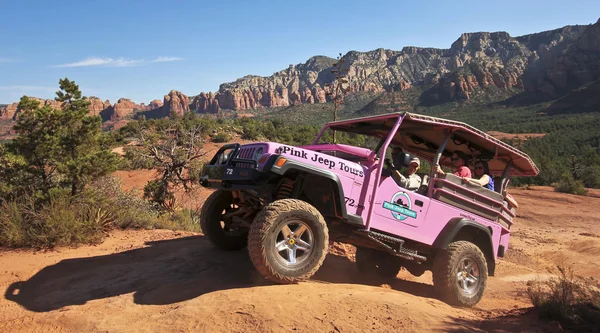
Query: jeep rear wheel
373, 261
460, 274
216, 226
288, 241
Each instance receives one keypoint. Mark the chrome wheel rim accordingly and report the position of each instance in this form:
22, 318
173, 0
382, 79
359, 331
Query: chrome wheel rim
293, 242
468, 277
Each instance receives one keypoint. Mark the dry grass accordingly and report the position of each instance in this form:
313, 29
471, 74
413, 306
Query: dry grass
85, 219
572, 300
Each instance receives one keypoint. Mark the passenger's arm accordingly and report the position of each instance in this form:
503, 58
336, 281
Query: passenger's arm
399, 178
484, 180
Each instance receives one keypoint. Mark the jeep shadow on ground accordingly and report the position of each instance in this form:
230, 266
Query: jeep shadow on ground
340, 269
165, 272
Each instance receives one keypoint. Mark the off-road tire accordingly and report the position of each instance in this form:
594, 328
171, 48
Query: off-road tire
372, 261
264, 229
210, 222
446, 267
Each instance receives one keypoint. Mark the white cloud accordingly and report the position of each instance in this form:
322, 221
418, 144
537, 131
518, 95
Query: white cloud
166, 59
118, 62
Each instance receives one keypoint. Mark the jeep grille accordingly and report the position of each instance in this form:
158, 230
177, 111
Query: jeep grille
246, 153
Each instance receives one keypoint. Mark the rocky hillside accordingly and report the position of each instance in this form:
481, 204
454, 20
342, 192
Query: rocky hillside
547, 63
124, 108
542, 66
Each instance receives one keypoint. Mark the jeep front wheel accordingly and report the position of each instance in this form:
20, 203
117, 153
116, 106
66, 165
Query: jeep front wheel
288, 241
460, 274
216, 225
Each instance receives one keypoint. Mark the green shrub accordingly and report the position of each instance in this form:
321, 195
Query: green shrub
127, 210
135, 159
58, 221
221, 137
591, 176
63, 219
12, 224
182, 219
572, 300
567, 184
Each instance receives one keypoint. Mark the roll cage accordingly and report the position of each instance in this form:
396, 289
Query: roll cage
434, 140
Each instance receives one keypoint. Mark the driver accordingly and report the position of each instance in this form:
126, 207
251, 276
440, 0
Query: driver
409, 180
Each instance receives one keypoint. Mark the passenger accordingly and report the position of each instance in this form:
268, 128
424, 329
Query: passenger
410, 180
459, 160
482, 176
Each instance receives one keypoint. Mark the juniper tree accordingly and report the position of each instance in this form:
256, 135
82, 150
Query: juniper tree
174, 148
62, 147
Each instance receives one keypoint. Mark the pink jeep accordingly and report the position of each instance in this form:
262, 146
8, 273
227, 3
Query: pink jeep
285, 203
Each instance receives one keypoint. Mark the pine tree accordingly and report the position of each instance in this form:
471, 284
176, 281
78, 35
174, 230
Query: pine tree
61, 147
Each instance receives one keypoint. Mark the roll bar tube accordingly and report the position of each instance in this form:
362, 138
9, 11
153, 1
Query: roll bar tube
380, 168
438, 154
316, 141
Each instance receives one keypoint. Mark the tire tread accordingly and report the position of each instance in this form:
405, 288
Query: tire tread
258, 234
443, 279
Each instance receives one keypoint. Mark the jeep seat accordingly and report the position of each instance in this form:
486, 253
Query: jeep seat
471, 198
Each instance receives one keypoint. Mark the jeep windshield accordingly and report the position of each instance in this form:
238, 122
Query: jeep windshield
348, 145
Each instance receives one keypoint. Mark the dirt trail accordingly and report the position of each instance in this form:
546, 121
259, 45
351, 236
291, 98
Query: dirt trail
157, 281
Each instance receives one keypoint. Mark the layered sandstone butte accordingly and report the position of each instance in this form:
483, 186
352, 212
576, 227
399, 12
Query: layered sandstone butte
8, 112
155, 104
125, 107
205, 103
11, 111
97, 106
176, 102
546, 62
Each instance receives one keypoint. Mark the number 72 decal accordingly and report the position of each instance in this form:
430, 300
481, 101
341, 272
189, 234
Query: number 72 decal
350, 202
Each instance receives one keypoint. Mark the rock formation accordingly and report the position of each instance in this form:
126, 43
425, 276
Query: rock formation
124, 108
155, 104
548, 64
8, 112
177, 102
475, 61
97, 106
11, 111
566, 61
206, 103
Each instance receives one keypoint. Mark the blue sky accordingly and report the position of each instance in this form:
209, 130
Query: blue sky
143, 49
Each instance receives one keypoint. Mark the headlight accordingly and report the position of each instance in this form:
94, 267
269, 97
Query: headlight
257, 153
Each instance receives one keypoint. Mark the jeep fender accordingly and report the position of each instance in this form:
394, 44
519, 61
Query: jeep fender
460, 226
338, 189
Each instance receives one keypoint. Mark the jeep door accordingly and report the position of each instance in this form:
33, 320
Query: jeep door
399, 211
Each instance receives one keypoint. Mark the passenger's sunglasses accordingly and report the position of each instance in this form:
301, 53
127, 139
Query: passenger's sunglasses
478, 168
455, 159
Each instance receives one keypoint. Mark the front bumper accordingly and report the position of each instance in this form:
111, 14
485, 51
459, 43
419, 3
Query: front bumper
234, 173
